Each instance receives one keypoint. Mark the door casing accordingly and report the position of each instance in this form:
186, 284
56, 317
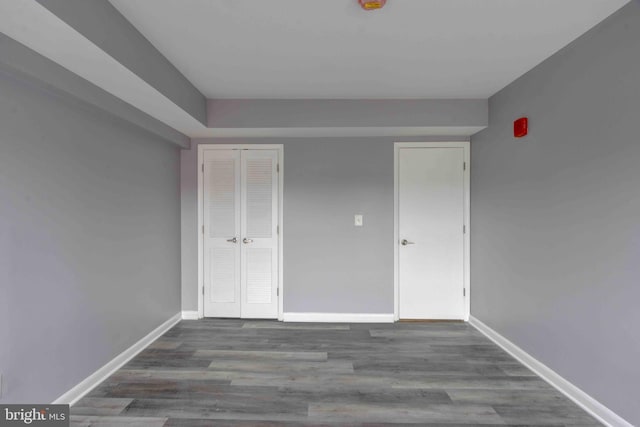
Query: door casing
201, 149
396, 202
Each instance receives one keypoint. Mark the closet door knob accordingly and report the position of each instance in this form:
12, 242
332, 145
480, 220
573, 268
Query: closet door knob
245, 240
234, 240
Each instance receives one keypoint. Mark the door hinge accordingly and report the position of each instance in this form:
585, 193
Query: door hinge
203, 229
277, 291
202, 168
277, 229
278, 167
464, 229
464, 166
203, 290
464, 292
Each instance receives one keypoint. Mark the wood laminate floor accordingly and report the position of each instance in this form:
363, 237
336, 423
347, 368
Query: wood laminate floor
220, 372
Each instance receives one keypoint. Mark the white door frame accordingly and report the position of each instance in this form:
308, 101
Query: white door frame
396, 253
201, 149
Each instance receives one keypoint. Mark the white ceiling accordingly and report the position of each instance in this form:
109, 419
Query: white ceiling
334, 49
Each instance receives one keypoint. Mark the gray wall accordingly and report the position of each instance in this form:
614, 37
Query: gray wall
17, 59
556, 238
297, 113
330, 266
89, 239
108, 29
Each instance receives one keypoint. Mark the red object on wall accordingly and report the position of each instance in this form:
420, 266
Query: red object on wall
372, 4
521, 127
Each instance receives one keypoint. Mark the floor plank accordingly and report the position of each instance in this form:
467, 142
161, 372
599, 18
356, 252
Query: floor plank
231, 372
476, 414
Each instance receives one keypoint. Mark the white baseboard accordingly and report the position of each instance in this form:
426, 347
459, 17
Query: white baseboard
89, 383
339, 317
190, 315
582, 399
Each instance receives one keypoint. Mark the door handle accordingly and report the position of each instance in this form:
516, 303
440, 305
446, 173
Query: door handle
245, 240
234, 240
405, 242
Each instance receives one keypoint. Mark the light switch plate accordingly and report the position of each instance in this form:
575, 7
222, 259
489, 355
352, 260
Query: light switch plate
358, 220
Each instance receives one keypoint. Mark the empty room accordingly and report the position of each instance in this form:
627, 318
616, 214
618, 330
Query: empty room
321, 213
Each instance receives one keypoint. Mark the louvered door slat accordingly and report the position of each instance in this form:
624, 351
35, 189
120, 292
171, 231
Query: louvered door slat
259, 197
240, 201
259, 281
221, 223
222, 207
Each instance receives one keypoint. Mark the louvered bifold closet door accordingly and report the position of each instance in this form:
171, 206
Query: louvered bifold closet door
221, 226
259, 219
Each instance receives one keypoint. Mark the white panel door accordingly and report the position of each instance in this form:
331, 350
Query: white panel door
221, 233
240, 246
430, 229
259, 219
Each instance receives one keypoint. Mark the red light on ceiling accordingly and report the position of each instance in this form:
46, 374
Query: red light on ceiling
372, 4
521, 127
